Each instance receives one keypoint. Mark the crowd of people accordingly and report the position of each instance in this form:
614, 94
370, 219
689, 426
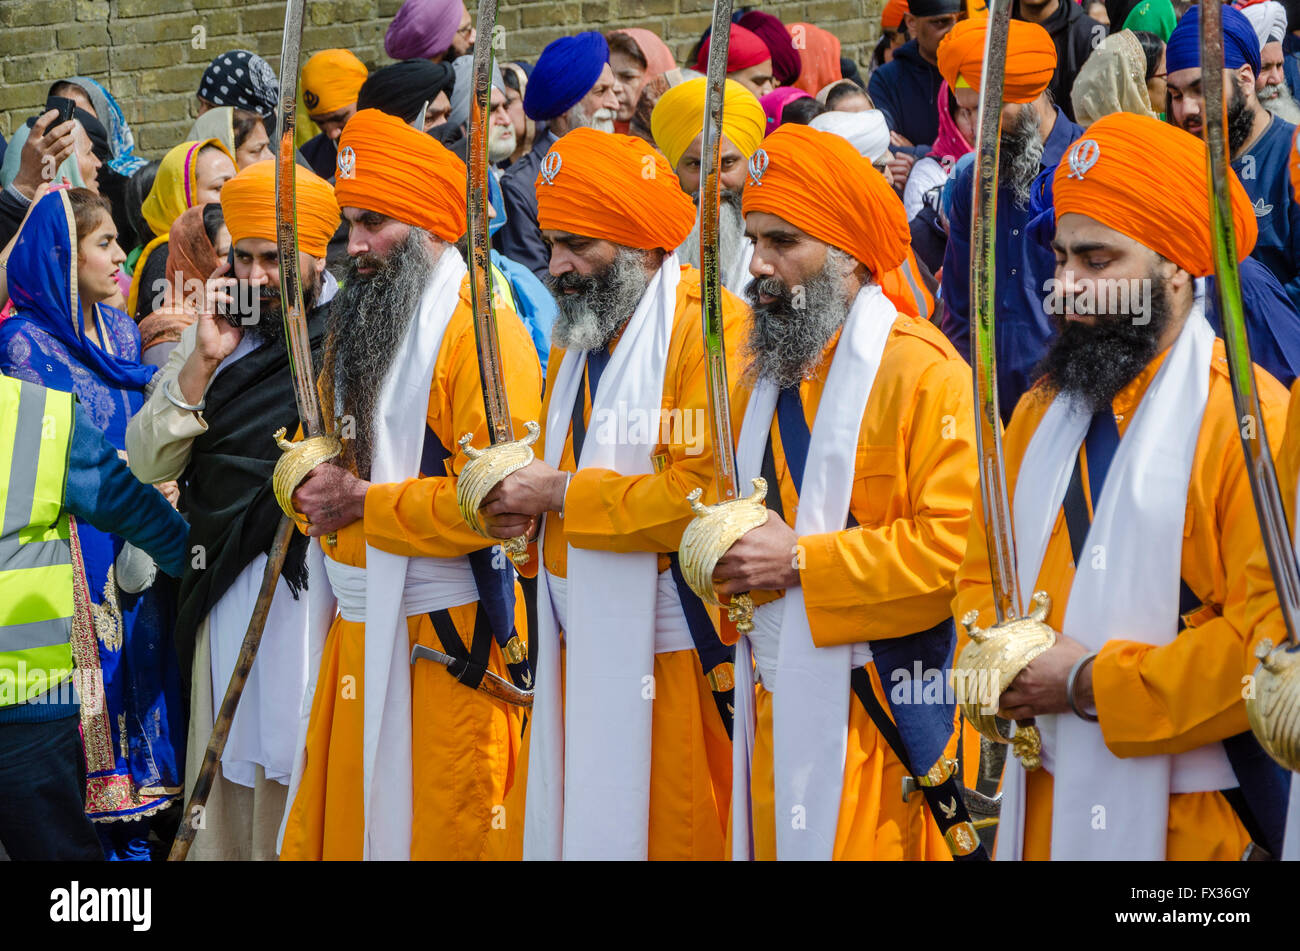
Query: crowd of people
144, 369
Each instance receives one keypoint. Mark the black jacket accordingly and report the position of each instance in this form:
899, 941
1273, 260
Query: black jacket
520, 239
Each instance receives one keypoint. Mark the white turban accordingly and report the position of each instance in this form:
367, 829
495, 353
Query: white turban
867, 131
1269, 21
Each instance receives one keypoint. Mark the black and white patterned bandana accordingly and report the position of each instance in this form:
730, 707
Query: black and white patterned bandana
241, 79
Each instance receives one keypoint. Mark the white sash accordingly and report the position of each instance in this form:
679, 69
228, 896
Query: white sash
1291, 838
1125, 586
589, 757
432, 584
811, 709
398, 443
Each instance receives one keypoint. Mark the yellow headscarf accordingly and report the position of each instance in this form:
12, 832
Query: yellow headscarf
175, 188
678, 118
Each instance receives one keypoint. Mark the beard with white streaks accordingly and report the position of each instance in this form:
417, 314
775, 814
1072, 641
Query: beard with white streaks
591, 310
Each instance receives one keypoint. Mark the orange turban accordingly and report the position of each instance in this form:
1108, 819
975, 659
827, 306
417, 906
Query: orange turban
331, 80
614, 187
1147, 179
1031, 58
386, 166
892, 17
819, 183
248, 203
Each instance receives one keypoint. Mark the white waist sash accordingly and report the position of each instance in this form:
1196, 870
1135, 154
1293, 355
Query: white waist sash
765, 641
432, 584
671, 632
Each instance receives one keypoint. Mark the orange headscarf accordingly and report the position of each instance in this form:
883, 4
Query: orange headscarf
331, 81
819, 51
819, 183
386, 166
1112, 175
891, 18
248, 203
1031, 58
614, 187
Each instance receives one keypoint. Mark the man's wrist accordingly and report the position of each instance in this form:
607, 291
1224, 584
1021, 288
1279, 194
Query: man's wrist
359, 490
559, 490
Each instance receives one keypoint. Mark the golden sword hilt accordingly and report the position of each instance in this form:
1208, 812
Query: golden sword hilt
988, 664
1273, 706
486, 468
708, 537
299, 459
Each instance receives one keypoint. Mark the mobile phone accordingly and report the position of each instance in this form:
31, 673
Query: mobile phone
65, 107
233, 315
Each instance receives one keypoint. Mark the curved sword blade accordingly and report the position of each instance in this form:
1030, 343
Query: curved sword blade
983, 238
1245, 395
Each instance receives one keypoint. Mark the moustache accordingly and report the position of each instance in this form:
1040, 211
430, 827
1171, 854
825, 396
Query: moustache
572, 281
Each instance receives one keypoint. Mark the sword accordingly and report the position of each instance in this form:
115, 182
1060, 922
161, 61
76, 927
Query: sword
505, 454
496, 687
998, 654
299, 458
1272, 707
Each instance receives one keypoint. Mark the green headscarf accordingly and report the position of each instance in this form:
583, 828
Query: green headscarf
1153, 16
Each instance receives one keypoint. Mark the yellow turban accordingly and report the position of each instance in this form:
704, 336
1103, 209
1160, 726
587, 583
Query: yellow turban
248, 204
678, 118
331, 81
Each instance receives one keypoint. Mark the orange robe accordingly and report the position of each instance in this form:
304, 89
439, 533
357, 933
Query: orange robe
1173, 698
690, 768
891, 575
465, 745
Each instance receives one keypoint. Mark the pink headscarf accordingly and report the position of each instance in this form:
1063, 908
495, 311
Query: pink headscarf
949, 144
777, 100
658, 57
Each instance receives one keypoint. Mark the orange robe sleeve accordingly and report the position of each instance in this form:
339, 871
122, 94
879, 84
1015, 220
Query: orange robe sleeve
913, 488
419, 517
608, 511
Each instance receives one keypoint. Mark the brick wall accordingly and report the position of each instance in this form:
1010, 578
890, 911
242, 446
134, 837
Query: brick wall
151, 53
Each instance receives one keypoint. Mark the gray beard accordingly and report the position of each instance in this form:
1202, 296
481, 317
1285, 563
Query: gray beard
731, 235
577, 119
1280, 102
1020, 155
368, 321
589, 319
786, 340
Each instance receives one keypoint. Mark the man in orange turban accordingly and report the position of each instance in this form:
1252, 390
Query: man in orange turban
1035, 134
626, 437
1139, 700
842, 408
331, 81
409, 760
225, 386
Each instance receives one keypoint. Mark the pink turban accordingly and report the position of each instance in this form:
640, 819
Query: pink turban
423, 29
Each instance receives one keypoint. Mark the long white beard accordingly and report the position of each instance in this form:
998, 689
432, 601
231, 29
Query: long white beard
1282, 104
731, 239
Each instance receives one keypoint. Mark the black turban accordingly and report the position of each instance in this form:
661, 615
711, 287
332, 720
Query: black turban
402, 89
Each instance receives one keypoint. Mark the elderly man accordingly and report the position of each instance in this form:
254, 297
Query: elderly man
629, 755
1259, 141
408, 761
572, 86
1269, 21
1035, 134
440, 30
677, 124
225, 389
857, 567
1139, 702
331, 81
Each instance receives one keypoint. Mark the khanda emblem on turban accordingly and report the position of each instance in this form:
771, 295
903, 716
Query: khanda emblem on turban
757, 166
347, 162
310, 99
551, 167
1083, 157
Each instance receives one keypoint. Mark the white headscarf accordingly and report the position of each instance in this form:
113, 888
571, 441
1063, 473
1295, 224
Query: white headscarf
866, 131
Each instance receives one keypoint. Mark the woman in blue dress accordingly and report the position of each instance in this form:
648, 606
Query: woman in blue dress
61, 335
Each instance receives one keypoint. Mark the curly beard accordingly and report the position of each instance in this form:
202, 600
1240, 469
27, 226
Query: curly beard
368, 321
600, 305
1020, 155
788, 337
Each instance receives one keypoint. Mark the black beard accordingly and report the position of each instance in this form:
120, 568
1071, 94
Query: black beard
270, 315
1091, 364
603, 302
368, 321
1240, 119
786, 342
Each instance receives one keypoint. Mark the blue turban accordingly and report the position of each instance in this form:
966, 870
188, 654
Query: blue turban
565, 72
1240, 44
